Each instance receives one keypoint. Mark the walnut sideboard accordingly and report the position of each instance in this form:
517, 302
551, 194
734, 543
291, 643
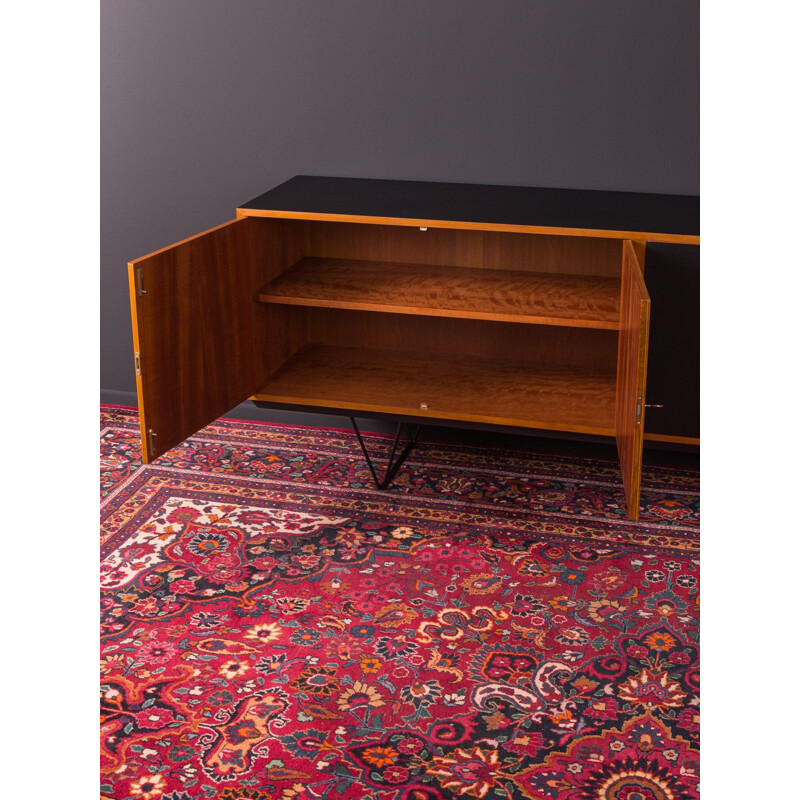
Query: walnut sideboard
508, 306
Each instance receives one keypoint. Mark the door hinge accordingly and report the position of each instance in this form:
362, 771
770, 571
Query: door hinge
151, 445
639, 410
140, 290
137, 362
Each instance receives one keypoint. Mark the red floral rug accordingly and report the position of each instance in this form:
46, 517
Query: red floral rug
491, 627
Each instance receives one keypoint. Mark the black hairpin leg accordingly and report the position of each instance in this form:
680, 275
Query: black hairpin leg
393, 465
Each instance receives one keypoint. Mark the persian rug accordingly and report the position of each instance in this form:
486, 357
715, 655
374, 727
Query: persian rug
490, 627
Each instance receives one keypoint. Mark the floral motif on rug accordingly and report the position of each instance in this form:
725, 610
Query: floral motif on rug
274, 627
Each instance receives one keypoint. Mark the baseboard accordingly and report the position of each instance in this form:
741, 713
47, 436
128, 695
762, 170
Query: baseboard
112, 397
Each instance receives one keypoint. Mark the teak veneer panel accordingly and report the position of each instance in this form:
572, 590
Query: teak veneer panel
193, 328
494, 391
567, 255
204, 346
530, 344
445, 291
632, 375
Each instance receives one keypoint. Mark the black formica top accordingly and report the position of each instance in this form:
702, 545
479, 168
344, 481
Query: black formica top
496, 205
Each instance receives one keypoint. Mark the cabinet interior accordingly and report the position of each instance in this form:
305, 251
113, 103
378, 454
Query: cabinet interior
503, 328
534, 318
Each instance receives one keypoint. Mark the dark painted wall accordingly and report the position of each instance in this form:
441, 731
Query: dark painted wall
207, 103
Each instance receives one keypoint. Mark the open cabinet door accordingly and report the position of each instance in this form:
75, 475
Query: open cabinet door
632, 374
195, 333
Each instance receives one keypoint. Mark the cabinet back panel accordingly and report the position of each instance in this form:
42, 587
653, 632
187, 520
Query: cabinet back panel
464, 248
276, 244
535, 344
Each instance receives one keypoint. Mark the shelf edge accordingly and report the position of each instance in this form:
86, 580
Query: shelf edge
645, 236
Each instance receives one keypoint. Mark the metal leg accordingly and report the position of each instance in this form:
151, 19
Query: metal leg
393, 465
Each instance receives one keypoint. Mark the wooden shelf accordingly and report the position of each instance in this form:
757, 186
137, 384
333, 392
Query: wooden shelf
581, 301
495, 391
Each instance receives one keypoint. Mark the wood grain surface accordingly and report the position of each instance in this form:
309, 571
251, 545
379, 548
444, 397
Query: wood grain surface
632, 375
433, 385
204, 345
510, 295
465, 248
529, 344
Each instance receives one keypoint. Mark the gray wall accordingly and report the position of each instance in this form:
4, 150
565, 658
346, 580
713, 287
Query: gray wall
208, 103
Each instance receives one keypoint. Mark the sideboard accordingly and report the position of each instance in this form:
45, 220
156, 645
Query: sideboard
508, 306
